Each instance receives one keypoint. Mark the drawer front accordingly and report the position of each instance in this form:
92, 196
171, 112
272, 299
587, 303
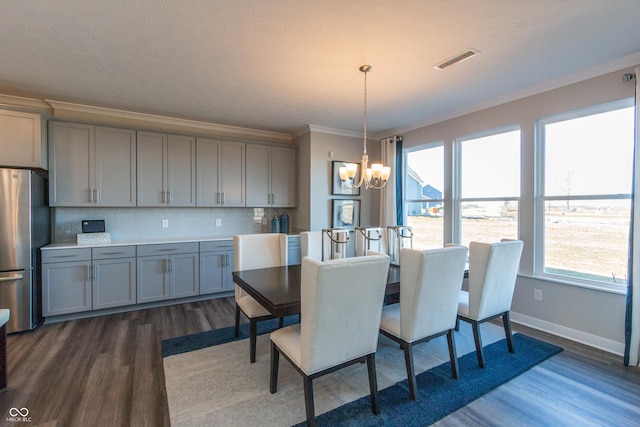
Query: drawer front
66, 255
168, 249
217, 245
110, 252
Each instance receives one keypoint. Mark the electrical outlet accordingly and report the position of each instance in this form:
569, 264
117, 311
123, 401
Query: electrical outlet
218, 222
165, 223
537, 294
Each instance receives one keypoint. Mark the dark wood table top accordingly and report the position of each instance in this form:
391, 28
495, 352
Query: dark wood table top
278, 288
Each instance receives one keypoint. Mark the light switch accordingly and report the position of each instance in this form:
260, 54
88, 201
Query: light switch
218, 222
165, 223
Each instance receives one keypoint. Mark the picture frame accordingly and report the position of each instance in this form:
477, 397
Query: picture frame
338, 188
345, 213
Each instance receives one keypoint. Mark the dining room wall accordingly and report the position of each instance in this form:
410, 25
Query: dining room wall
589, 315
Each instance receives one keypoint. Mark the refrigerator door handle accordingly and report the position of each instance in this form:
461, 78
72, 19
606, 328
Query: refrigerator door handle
11, 278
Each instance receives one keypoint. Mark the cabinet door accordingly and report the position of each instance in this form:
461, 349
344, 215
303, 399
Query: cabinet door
181, 171
232, 174
151, 168
114, 282
283, 177
152, 279
66, 288
115, 166
71, 163
185, 275
208, 158
21, 142
213, 270
258, 187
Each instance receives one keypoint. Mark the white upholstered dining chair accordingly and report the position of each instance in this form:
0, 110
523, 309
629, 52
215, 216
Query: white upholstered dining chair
493, 268
311, 245
341, 303
250, 252
430, 283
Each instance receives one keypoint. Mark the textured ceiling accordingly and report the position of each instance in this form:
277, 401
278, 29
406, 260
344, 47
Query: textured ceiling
279, 65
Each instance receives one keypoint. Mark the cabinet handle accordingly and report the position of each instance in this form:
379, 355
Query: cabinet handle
170, 262
223, 197
167, 250
113, 253
94, 272
218, 197
164, 197
168, 196
65, 256
97, 197
226, 258
88, 276
91, 195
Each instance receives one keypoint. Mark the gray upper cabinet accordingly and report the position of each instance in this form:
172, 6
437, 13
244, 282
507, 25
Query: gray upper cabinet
91, 166
220, 170
270, 176
21, 140
166, 170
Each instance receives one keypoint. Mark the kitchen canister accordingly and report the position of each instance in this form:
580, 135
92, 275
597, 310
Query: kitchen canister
284, 223
275, 224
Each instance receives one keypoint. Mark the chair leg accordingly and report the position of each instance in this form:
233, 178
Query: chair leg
237, 330
457, 328
308, 401
478, 340
3, 356
452, 354
507, 331
275, 359
411, 374
253, 334
373, 383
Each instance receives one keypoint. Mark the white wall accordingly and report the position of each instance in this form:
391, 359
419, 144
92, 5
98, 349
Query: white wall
591, 316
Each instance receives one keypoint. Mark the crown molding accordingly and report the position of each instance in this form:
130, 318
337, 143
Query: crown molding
331, 131
30, 104
68, 110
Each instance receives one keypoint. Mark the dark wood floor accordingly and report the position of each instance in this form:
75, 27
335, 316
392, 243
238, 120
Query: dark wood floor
107, 371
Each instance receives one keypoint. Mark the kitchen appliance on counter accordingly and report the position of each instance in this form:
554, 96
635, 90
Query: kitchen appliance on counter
24, 228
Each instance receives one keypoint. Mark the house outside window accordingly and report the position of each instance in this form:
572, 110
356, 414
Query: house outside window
584, 179
486, 186
423, 194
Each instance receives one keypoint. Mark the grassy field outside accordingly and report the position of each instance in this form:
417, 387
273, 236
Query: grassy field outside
588, 243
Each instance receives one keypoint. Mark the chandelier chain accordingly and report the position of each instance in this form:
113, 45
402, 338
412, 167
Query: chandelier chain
365, 112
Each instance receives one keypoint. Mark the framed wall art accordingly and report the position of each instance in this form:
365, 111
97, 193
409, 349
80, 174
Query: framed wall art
345, 213
339, 188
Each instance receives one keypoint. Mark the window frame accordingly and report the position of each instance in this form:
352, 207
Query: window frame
405, 200
540, 199
457, 198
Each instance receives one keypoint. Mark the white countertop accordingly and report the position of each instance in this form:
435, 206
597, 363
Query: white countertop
137, 242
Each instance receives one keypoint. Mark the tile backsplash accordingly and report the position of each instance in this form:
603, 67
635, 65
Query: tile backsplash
146, 223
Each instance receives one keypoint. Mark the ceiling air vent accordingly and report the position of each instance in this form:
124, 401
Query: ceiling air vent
458, 58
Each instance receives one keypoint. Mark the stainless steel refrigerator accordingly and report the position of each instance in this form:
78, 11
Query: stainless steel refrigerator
24, 228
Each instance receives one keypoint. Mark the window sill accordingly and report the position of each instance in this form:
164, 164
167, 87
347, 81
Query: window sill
612, 289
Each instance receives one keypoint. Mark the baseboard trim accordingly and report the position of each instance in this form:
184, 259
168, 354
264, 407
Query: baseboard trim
595, 341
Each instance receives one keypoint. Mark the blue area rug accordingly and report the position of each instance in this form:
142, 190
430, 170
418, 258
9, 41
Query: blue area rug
439, 394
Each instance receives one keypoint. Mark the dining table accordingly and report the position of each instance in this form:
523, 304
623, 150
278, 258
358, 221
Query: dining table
278, 288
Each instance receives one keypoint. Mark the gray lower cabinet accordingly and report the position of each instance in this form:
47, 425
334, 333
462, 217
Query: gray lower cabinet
114, 276
167, 271
66, 287
216, 266
77, 280
293, 252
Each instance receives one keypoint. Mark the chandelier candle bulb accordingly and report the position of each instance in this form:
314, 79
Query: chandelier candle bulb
343, 173
351, 170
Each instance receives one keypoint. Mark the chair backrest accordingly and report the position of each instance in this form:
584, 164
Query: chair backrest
369, 239
311, 245
430, 283
398, 237
493, 268
341, 308
335, 243
253, 251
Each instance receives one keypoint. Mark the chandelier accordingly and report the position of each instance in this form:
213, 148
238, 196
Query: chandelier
375, 176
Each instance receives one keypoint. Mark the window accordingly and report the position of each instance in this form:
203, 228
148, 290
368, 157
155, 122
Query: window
423, 195
584, 203
488, 186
